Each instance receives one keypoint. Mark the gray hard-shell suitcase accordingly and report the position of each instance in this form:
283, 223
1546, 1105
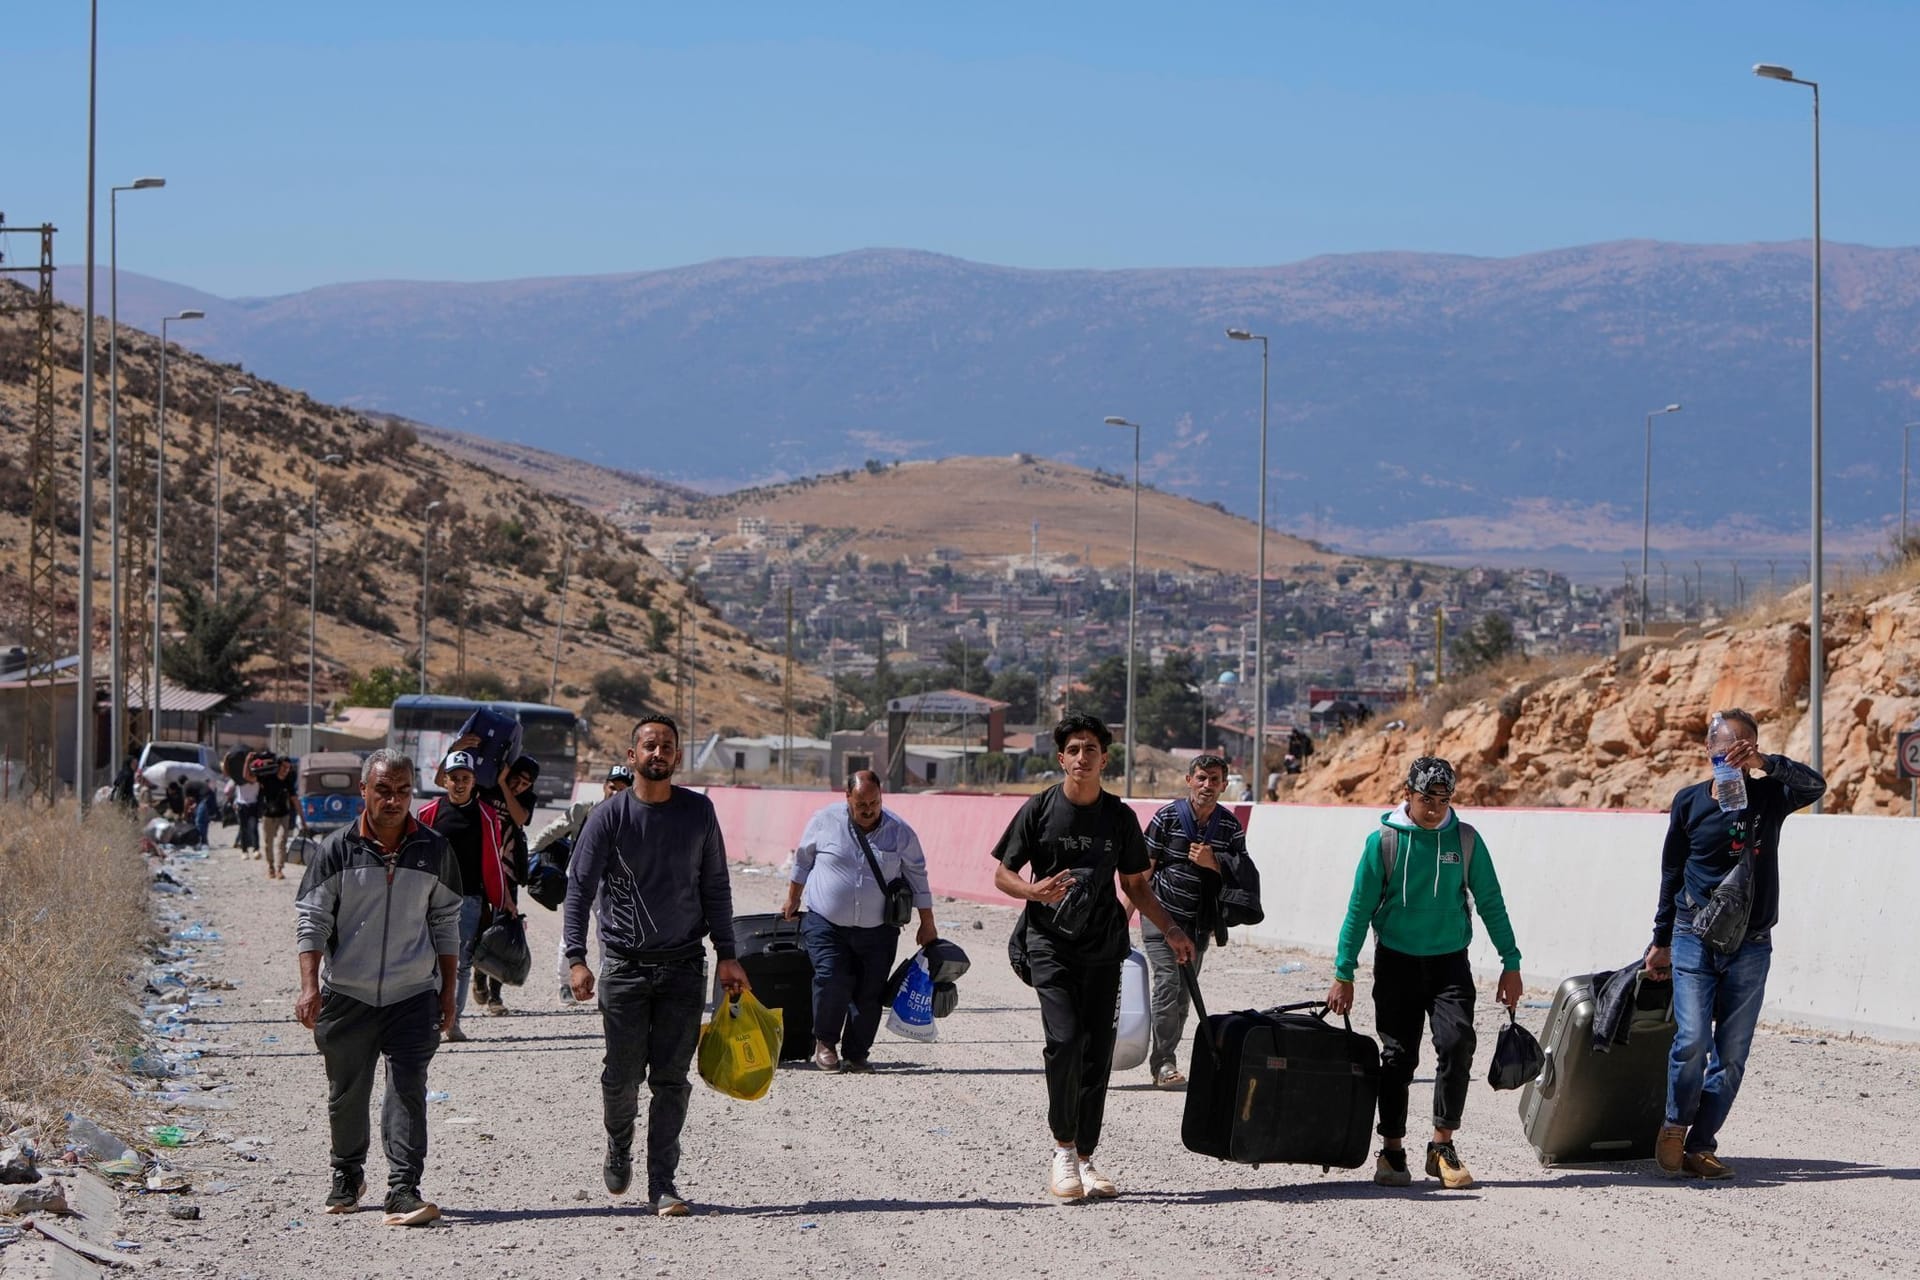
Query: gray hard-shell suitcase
1587, 1107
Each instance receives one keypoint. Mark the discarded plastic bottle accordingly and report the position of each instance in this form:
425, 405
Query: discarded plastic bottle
1729, 783
168, 1135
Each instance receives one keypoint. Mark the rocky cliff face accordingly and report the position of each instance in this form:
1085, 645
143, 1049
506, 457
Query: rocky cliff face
1627, 731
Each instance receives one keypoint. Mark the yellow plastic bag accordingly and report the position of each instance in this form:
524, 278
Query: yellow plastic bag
740, 1047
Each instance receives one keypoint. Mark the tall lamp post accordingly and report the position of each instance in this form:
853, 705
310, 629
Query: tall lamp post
160, 517
313, 591
83, 726
1133, 589
426, 542
1816, 660
217, 402
1258, 775
118, 643
1646, 513
1906, 452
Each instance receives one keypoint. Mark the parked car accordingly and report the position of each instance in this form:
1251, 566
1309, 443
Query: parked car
160, 751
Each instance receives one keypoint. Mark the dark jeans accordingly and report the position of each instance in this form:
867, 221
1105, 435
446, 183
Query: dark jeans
249, 836
352, 1037
652, 1018
1716, 1004
1169, 993
1078, 1003
1408, 990
850, 971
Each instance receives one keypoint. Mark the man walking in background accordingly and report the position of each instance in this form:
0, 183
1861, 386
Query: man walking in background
554, 845
1186, 842
379, 930
1074, 838
846, 857
1717, 994
277, 801
1412, 888
651, 866
472, 828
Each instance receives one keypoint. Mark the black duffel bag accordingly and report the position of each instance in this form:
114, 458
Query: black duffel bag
546, 884
501, 951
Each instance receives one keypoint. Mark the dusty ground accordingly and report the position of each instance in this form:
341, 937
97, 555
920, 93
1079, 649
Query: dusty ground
934, 1166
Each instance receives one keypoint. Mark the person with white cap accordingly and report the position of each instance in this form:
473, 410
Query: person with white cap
1412, 889
474, 831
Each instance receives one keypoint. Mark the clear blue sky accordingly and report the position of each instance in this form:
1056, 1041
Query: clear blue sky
434, 139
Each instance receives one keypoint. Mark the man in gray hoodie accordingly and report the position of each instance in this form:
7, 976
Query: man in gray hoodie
379, 937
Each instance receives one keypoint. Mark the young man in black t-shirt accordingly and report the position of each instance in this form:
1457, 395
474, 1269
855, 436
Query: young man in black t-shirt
1074, 838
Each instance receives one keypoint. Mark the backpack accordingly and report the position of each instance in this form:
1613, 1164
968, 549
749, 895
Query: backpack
1390, 851
1238, 902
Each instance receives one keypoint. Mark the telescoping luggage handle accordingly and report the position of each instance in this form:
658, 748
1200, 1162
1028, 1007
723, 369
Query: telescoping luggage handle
1192, 984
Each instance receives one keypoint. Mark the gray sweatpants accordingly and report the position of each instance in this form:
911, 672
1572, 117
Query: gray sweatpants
1169, 993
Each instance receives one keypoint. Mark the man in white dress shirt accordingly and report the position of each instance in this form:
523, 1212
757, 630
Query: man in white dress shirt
844, 928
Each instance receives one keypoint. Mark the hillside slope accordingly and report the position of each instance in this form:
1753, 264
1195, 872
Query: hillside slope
1626, 732
498, 547
985, 509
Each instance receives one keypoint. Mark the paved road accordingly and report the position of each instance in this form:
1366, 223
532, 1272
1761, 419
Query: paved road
935, 1165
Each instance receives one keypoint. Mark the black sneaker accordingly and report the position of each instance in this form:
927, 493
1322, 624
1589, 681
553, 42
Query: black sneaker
617, 1169
405, 1208
668, 1204
347, 1190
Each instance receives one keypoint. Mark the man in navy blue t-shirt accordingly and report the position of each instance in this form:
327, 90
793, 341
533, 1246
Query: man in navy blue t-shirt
1716, 997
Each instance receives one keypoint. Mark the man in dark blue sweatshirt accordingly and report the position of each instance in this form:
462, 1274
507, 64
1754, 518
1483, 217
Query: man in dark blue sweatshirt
651, 865
1717, 997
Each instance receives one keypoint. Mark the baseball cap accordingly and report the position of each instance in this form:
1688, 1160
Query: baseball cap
526, 766
459, 760
1430, 775
620, 773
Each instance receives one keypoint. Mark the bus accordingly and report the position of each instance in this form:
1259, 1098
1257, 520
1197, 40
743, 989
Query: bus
424, 726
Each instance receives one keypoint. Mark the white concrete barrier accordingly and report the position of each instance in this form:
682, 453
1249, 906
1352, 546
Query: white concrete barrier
1581, 885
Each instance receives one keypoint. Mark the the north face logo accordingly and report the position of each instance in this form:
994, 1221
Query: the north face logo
1450, 859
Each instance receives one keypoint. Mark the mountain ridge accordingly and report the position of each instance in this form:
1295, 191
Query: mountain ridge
1409, 389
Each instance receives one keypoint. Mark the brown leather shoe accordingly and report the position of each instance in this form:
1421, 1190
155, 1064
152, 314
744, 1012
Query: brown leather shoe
824, 1057
1705, 1164
1670, 1150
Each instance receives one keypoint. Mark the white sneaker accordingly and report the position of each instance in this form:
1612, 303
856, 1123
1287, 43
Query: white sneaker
1095, 1183
1064, 1183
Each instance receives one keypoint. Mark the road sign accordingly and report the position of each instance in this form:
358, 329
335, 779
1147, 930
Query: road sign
1910, 754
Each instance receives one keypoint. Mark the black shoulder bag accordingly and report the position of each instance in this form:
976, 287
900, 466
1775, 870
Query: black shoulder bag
898, 910
1722, 923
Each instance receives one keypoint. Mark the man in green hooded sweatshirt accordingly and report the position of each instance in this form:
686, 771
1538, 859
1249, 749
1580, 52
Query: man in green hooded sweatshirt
1412, 888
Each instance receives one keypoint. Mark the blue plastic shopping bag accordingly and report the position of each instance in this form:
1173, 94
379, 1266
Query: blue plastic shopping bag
912, 1012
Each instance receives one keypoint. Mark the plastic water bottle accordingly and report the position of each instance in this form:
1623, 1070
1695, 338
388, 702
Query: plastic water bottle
1729, 783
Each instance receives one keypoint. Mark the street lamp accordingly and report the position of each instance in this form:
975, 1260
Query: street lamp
1816, 661
83, 724
426, 541
217, 402
117, 644
313, 590
1906, 451
1133, 589
1259, 773
160, 516
1646, 513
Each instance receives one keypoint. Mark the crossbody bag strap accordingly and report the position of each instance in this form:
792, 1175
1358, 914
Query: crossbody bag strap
873, 863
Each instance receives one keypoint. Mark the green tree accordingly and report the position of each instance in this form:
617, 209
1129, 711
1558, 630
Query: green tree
1486, 642
1172, 709
380, 686
965, 667
661, 629
1020, 690
218, 640
628, 691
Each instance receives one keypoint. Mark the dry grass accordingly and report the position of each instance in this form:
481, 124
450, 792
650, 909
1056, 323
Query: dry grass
73, 917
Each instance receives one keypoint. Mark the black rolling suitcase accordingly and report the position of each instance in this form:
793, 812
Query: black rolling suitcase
770, 950
1586, 1107
1282, 1087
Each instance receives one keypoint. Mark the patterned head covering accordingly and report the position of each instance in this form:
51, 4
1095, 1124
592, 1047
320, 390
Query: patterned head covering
1430, 775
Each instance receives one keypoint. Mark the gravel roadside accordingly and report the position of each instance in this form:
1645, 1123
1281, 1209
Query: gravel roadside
935, 1165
